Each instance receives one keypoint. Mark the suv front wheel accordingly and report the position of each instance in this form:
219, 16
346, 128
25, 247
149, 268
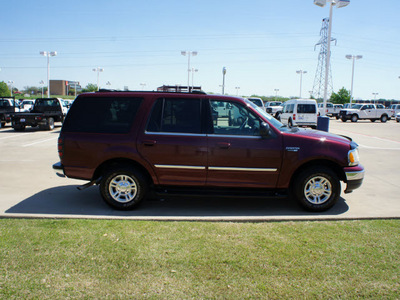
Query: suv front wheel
317, 188
123, 188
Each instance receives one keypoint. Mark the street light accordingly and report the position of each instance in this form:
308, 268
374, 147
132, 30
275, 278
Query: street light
276, 93
189, 53
301, 72
353, 57
48, 54
193, 70
237, 90
98, 70
375, 94
42, 84
322, 3
223, 80
11, 84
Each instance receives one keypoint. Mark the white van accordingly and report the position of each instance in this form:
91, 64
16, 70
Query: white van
300, 112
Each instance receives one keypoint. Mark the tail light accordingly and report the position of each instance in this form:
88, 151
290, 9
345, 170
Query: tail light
38, 118
294, 116
60, 147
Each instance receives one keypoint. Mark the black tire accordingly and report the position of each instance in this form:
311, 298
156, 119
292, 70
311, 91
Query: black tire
384, 118
343, 119
19, 128
317, 188
354, 118
290, 123
373, 120
50, 124
123, 188
3, 124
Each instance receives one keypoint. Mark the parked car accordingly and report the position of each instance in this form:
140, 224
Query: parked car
300, 112
8, 106
257, 101
398, 117
134, 143
44, 113
273, 107
27, 105
365, 112
395, 108
330, 109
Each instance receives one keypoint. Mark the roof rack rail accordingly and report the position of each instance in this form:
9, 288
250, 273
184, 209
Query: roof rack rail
176, 92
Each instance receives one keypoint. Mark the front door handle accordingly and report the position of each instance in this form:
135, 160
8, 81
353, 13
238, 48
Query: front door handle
149, 142
224, 145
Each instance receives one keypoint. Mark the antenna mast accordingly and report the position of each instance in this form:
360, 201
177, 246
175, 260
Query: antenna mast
319, 80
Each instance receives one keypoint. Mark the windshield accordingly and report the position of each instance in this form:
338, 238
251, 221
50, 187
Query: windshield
356, 106
274, 122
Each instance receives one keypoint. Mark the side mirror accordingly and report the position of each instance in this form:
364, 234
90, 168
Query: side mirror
265, 130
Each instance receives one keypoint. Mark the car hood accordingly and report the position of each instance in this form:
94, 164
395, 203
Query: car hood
318, 134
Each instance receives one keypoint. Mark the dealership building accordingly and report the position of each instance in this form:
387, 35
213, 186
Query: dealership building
62, 87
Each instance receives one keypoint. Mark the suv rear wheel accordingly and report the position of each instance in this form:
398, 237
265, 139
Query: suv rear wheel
317, 188
123, 188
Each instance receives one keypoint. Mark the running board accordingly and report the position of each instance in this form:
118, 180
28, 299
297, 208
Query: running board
89, 184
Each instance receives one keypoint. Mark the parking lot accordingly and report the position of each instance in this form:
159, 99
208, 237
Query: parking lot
30, 188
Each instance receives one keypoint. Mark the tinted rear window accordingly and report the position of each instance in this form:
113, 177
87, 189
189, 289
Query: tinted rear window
102, 115
306, 109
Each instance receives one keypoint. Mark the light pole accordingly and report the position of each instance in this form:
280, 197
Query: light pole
301, 72
11, 85
339, 3
223, 80
237, 90
98, 70
48, 54
42, 84
353, 57
276, 93
193, 70
375, 94
188, 54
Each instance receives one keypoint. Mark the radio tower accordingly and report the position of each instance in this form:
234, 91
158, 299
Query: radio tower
319, 80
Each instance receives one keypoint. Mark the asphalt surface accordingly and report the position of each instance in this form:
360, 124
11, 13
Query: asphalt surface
30, 188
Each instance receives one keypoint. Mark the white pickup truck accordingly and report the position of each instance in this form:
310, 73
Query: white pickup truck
365, 112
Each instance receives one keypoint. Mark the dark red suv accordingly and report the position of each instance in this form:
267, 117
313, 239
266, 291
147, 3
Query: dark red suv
134, 143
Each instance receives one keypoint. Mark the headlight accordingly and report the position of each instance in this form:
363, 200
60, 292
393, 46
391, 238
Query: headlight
353, 157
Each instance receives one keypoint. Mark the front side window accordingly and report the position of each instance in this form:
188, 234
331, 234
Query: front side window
175, 116
230, 118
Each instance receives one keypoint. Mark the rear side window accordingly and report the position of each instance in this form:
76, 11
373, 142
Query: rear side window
176, 115
102, 115
306, 109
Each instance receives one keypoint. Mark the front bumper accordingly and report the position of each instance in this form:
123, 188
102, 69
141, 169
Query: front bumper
354, 178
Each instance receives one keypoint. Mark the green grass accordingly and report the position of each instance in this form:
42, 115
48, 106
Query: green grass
56, 259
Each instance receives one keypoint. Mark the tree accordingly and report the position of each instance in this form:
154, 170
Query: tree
4, 90
342, 97
90, 88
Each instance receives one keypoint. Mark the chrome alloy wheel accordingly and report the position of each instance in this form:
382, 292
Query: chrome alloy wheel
318, 190
123, 188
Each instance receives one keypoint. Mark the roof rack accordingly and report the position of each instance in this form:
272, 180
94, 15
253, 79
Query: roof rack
172, 92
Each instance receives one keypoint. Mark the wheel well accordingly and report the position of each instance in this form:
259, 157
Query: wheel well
121, 162
318, 163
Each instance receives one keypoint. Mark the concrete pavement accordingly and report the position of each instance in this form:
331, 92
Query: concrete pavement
30, 188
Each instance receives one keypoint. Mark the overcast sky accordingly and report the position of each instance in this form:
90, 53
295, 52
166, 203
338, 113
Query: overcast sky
260, 42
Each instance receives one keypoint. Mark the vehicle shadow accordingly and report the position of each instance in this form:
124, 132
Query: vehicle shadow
67, 200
